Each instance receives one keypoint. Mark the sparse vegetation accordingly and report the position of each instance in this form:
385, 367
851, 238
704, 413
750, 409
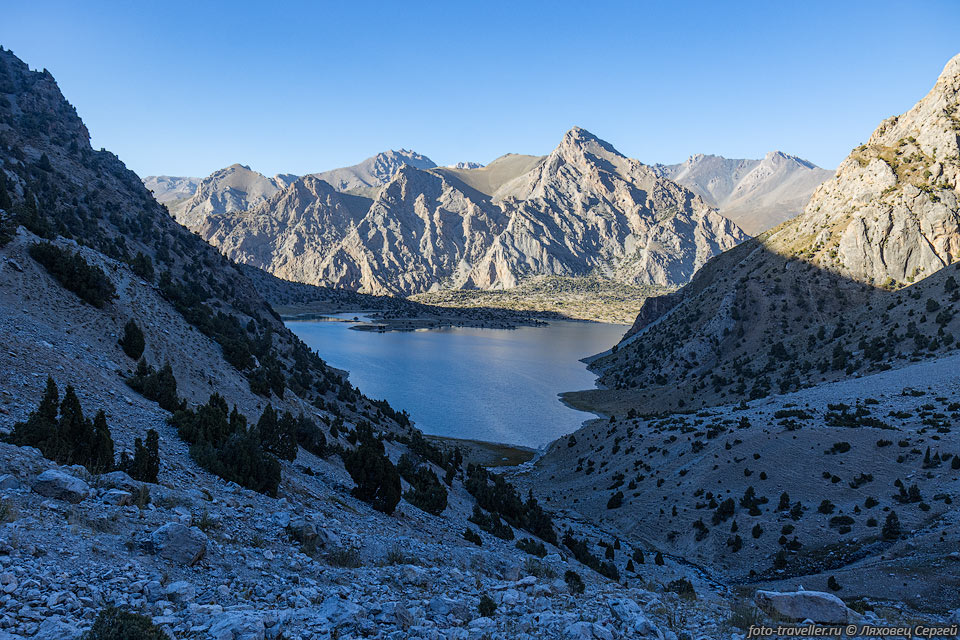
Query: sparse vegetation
113, 623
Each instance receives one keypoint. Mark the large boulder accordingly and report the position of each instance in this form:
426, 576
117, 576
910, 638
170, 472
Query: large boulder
56, 629
179, 543
631, 616
61, 486
237, 625
119, 480
8, 481
817, 606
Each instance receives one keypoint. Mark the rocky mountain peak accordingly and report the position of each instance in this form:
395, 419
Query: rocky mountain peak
890, 215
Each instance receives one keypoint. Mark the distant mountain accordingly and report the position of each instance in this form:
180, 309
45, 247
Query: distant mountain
488, 179
234, 188
584, 209
374, 172
171, 188
465, 165
756, 194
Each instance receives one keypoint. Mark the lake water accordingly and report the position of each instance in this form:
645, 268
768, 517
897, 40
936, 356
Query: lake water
494, 385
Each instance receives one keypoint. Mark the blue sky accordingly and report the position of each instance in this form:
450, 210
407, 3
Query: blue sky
184, 88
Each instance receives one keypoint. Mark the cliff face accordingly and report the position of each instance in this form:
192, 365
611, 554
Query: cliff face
890, 215
585, 209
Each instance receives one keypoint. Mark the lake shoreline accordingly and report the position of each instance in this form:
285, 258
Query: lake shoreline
416, 317
488, 454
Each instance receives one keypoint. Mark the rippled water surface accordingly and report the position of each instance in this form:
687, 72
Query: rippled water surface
484, 384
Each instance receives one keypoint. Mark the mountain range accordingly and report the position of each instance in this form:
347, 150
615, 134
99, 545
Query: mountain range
584, 209
481, 227
756, 194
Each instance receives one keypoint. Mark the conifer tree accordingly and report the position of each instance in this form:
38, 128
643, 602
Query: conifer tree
153, 455
891, 527
132, 341
75, 434
101, 459
40, 429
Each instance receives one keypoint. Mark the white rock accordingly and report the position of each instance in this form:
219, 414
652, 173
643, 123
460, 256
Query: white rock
118, 497
61, 486
818, 606
55, 629
179, 543
180, 591
237, 626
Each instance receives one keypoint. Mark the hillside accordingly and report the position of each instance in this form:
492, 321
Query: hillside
756, 194
171, 188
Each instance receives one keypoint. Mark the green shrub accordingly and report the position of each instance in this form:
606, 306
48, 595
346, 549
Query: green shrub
683, 588
159, 386
472, 536
142, 265
116, 624
498, 496
531, 546
574, 582
377, 479
89, 282
491, 523
426, 492
487, 606
582, 553
241, 460
310, 437
891, 527
278, 435
145, 465
132, 341
615, 501
222, 444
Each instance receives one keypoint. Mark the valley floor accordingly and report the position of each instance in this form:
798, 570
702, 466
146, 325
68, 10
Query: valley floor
594, 299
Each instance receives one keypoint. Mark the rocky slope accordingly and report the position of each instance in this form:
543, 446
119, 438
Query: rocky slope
888, 218
583, 210
756, 194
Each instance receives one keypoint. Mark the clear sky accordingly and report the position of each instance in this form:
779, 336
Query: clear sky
184, 88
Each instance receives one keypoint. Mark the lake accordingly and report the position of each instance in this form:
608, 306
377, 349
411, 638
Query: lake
495, 385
